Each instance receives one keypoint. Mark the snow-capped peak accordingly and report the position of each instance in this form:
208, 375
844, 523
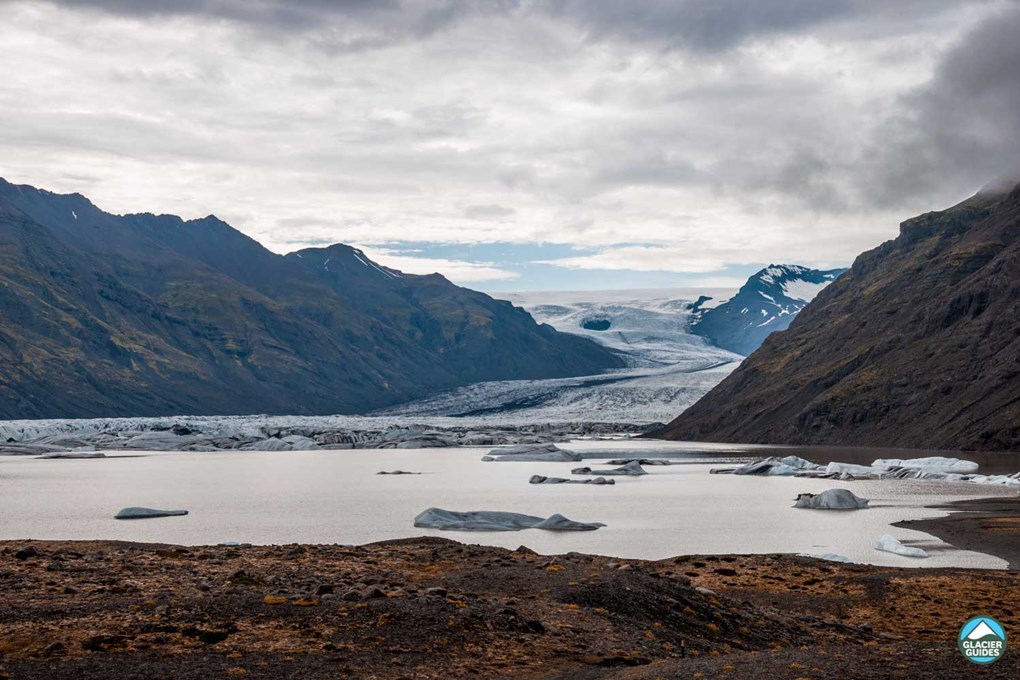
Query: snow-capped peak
766, 303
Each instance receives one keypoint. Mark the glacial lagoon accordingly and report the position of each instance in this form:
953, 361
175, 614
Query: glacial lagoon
337, 497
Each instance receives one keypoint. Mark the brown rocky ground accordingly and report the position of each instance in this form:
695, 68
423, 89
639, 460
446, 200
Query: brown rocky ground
433, 608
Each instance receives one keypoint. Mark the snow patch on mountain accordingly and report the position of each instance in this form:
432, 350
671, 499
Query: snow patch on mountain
765, 304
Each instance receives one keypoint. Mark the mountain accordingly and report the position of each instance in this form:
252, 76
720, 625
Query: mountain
106, 315
918, 345
768, 302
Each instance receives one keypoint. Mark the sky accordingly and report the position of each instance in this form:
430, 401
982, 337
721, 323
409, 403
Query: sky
531, 145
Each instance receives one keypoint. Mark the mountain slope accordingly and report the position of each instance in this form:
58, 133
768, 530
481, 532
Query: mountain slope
918, 345
105, 315
768, 302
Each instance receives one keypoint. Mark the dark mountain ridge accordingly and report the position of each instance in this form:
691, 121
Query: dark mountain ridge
917, 346
106, 315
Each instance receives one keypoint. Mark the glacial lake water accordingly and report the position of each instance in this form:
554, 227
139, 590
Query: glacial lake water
337, 497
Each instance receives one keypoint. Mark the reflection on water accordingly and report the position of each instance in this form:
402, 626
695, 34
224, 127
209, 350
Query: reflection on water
336, 497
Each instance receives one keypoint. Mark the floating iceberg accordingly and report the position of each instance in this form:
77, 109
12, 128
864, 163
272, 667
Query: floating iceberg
449, 520
631, 469
147, 513
72, 455
539, 479
932, 468
787, 466
889, 543
934, 463
831, 499
532, 453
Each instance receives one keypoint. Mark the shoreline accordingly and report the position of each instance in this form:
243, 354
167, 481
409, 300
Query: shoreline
436, 608
985, 525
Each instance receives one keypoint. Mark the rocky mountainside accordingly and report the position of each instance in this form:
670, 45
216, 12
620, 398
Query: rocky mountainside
105, 315
768, 302
918, 345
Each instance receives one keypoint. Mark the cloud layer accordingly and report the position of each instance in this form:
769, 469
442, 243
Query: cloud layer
686, 136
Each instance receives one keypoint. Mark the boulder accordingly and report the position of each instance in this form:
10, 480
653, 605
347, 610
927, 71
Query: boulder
147, 513
889, 543
831, 499
449, 520
397, 472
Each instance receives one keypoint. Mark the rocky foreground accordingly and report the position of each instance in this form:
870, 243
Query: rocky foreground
434, 608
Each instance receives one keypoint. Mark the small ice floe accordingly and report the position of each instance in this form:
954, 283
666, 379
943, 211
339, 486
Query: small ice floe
481, 520
532, 453
889, 543
598, 481
787, 466
828, 557
836, 468
934, 463
397, 472
931, 468
831, 499
631, 469
642, 461
147, 513
72, 455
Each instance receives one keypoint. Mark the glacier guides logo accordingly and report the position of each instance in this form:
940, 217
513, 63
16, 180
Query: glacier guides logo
982, 640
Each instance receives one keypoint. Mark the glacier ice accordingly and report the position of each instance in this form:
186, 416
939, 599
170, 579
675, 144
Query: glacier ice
484, 520
934, 463
831, 499
889, 543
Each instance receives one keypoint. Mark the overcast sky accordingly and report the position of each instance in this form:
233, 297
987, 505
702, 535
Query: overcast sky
521, 145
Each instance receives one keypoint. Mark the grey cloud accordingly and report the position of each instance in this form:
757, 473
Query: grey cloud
336, 25
712, 25
488, 212
280, 13
962, 129
700, 25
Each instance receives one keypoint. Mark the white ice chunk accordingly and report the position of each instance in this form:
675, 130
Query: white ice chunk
932, 463
831, 499
889, 543
829, 557
850, 468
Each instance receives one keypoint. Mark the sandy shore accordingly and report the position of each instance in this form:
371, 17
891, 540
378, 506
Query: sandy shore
987, 525
433, 608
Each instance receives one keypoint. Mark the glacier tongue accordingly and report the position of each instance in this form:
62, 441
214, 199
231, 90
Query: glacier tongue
670, 367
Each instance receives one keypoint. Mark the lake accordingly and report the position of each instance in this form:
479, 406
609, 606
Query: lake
337, 497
